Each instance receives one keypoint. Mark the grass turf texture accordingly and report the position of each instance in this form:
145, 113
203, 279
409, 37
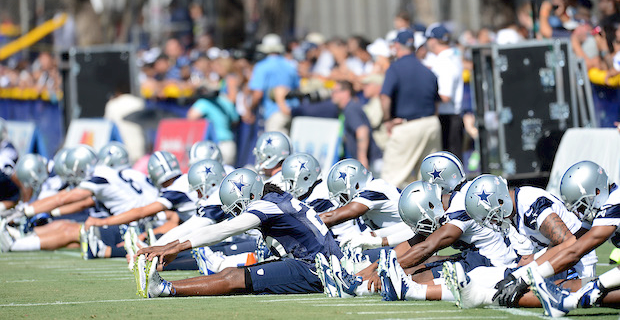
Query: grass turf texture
60, 285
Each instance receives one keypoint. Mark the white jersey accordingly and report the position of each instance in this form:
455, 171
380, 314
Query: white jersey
381, 198
319, 200
177, 197
487, 242
534, 205
120, 190
610, 214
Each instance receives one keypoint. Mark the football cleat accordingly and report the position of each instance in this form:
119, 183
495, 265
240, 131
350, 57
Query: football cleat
140, 274
550, 295
83, 242
590, 294
6, 241
130, 246
326, 276
390, 281
452, 282
345, 282
208, 261
155, 285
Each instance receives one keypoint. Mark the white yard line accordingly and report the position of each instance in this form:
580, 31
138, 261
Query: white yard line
450, 318
405, 311
370, 304
520, 312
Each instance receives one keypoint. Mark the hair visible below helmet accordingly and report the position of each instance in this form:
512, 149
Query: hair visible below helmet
420, 207
488, 202
443, 169
584, 188
114, 155
300, 171
162, 167
271, 148
80, 163
31, 170
238, 189
345, 180
60, 167
204, 150
205, 176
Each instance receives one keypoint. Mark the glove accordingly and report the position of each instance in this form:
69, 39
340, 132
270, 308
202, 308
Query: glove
364, 241
509, 291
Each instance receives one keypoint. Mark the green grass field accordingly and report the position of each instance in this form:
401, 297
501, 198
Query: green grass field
60, 285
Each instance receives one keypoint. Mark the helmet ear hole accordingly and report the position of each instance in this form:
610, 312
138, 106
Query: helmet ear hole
357, 186
598, 191
501, 201
430, 205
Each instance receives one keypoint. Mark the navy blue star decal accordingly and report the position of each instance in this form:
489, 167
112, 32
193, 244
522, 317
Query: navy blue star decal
436, 174
302, 165
343, 176
238, 184
208, 170
484, 196
269, 141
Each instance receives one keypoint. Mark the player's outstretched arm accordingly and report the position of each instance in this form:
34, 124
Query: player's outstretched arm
554, 229
443, 237
172, 221
55, 201
351, 211
74, 207
134, 214
588, 242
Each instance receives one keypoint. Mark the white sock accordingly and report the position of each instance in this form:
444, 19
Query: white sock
101, 249
416, 291
233, 261
30, 243
439, 281
610, 279
446, 294
362, 289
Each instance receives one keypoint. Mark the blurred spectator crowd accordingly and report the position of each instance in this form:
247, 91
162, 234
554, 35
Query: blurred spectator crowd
278, 80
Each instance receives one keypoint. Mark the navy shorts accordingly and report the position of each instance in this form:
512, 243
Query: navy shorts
110, 235
232, 248
468, 259
285, 276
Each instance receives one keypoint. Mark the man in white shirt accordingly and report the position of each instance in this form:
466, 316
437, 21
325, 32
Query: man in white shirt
448, 68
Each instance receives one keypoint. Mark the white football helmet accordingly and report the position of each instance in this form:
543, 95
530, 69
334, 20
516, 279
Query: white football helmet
162, 167
584, 188
300, 171
80, 163
114, 155
238, 189
443, 169
271, 148
488, 202
420, 207
346, 179
205, 176
31, 171
204, 150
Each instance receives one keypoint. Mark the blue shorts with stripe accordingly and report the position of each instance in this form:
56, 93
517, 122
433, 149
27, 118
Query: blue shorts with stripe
285, 276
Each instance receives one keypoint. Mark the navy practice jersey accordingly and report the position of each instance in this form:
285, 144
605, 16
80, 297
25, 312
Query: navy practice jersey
610, 214
296, 226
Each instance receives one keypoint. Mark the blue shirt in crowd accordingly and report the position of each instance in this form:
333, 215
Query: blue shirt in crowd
412, 88
271, 72
221, 114
354, 117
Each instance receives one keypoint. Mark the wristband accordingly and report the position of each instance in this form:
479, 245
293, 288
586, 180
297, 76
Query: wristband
29, 211
2, 206
55, 212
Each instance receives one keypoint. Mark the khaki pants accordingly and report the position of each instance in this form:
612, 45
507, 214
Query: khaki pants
229, 152
278, 122
409, 143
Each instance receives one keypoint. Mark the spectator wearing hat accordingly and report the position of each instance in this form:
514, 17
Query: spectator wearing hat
408, 99
275, 76
447, 65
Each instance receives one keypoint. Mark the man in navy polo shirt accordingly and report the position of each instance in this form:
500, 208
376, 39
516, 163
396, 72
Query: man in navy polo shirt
408, 98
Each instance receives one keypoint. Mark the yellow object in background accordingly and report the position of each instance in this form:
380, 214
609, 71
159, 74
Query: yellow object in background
33, 36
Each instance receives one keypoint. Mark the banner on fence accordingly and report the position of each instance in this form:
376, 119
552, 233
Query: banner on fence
318, 137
